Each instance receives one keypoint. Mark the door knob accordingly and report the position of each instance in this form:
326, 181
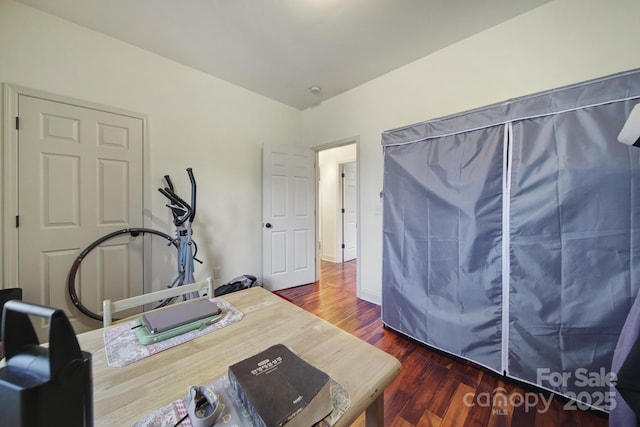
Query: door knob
268, 225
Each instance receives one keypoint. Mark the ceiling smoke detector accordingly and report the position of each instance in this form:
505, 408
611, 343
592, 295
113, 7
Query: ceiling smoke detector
315, 90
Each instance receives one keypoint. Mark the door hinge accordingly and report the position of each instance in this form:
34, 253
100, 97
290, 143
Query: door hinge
17, 221
17, 123
343, 246
343, 210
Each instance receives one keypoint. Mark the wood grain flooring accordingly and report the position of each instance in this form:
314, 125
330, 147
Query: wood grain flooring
433, 389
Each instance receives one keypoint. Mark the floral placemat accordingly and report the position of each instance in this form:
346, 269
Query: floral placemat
123, 348
233, 412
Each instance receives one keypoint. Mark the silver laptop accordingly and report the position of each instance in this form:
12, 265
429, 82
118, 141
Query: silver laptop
177, 315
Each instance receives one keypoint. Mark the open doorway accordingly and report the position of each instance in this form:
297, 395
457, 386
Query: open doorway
337, 192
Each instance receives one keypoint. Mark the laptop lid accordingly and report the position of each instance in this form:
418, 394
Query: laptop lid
177, 315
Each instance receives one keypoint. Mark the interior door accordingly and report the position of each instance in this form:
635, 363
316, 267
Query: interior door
288, 217
79, 178
349, 212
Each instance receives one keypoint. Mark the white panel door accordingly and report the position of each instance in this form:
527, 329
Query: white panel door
79, 178
288, 217
349, 211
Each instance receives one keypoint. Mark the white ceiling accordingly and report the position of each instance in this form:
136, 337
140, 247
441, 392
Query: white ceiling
280, 48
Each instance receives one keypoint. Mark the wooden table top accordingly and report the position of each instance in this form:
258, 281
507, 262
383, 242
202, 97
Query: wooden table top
124, 395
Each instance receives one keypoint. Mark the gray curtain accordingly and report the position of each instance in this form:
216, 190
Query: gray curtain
573, 227
511, 233
442, 239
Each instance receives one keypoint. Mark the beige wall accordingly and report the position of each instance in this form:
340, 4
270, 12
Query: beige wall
560, 43
195, 121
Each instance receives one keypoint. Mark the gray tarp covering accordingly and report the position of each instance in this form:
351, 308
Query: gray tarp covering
442, 270
510, 234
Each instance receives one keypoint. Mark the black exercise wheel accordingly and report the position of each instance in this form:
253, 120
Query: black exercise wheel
71, 283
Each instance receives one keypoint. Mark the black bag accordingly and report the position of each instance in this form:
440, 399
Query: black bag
236, 284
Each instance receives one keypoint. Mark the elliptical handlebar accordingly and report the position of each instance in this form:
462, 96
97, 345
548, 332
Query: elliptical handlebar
181, 210
192, 179
169, 183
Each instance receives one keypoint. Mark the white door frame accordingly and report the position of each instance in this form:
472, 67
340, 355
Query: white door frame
9, 175
347, 141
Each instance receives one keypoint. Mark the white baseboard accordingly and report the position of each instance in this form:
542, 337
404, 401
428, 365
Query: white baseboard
370, 297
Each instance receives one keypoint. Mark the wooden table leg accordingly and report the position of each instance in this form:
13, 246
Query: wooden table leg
374, 416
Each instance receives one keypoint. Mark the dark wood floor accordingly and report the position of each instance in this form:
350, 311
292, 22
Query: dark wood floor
433, 389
